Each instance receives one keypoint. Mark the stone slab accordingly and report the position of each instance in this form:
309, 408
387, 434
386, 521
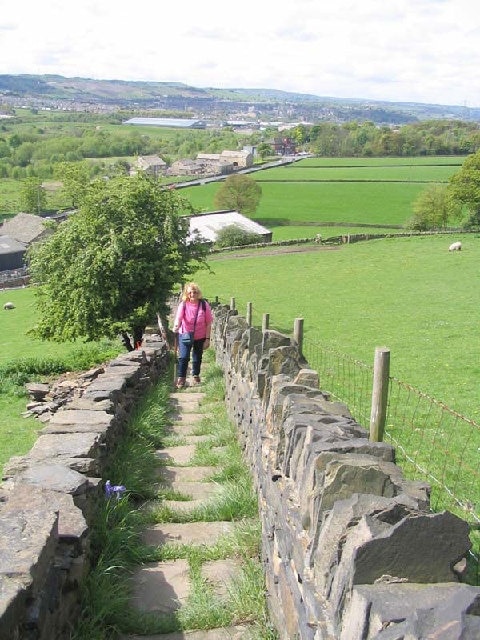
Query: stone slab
194, 533
239, 632
54, 477
184, 474
28, 532
186, 418
161, 587
181, 396
177, 455
220, 574
81, 416
195, 490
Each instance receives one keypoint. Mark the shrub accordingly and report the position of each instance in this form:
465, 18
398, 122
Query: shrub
233, 236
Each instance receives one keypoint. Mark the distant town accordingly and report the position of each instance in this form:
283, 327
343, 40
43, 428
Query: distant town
243, 106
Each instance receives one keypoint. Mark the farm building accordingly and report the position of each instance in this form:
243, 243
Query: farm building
237, 159
187, 167
12, 253
152, 165
15, 237
24, 227
207, 225
181, 123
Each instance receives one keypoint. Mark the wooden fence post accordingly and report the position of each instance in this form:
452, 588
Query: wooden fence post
298, 333
249, 314
232, 304
381, 377
265, 322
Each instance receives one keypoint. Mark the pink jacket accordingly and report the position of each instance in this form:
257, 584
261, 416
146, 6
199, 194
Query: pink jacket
185, 318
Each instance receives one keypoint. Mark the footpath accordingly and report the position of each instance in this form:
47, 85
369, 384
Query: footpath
164, 587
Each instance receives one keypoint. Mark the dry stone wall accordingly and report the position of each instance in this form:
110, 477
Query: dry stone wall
350, 546
49, 496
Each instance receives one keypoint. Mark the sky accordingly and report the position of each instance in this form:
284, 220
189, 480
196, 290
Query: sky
424, 51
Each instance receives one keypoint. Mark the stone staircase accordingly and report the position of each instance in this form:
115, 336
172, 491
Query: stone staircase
164, 587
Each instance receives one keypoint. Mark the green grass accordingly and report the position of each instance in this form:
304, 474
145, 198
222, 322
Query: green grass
24, 359
372, 173
454, 161
409, 294
314, 202
309, 231
324, 190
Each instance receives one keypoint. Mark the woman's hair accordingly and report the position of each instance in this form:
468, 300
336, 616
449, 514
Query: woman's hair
187, 287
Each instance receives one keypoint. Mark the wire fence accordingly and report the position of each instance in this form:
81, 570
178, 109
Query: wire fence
432, 442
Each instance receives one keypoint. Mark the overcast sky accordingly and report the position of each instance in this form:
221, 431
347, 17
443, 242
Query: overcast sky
396, 50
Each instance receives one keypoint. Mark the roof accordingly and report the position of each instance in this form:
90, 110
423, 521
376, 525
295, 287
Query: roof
10, 245
183, 123
207, 225
241, 152
150, 161
24, 227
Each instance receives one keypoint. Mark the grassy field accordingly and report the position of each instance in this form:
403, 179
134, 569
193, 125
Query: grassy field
376, 192
409, 294
20, 355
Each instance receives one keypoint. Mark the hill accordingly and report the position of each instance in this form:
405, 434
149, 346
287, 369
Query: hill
58, 92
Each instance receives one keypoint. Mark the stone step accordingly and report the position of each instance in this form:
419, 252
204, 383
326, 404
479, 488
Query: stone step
181, 455
184, 474
195, 490
238, 632
164, 587
191, 533
181, 417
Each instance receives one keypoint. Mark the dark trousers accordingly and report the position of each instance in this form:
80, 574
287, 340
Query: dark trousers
184, 352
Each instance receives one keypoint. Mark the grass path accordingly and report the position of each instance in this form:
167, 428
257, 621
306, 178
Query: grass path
180, 555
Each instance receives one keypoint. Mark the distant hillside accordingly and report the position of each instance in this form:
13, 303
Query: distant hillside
56, 91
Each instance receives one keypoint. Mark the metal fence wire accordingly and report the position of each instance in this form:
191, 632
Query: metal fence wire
432, 442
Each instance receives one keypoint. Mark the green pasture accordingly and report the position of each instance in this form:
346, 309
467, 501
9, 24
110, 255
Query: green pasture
20, 354
372, 173
14, 325
409, 294
313, 191
310, 230
284, 204
383, 161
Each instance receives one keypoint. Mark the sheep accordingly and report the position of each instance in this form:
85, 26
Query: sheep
455, 246
9, 305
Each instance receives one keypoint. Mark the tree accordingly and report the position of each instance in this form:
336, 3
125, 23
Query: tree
433, 208
33, 196
240, 193
464, 187
233, 236
264, 150
112, 265
75, 177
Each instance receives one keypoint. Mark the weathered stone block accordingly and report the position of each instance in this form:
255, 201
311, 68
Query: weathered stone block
453, 611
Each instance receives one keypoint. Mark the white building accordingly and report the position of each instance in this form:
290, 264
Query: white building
207, 225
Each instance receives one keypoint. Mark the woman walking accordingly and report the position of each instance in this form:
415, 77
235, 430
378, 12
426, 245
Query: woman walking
193, 322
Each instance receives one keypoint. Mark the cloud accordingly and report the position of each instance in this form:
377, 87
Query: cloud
401, 50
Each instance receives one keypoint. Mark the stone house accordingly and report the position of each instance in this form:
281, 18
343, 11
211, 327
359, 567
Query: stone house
284, 146
187, 167
16, 235
153, 165
242, 159
24, 227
